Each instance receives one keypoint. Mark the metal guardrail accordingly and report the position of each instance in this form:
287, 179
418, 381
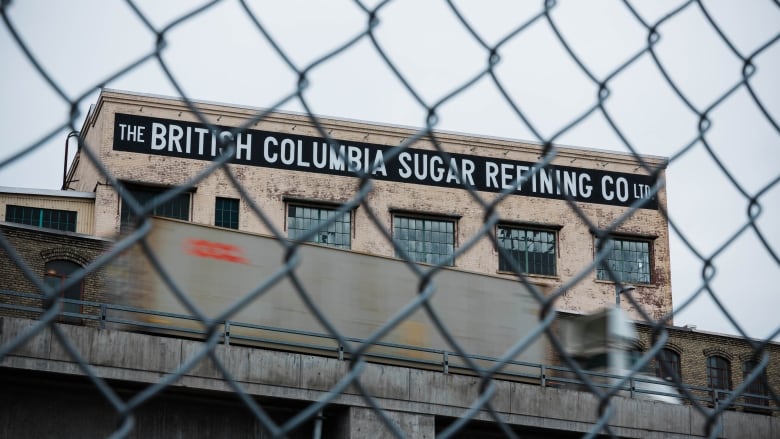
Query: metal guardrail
565, 376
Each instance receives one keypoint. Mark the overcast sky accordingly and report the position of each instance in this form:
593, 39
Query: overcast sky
221, 56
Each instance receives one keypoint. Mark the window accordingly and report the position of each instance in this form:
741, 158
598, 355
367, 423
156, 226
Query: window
635, 354
425, 240
533, 251
55, 274
758, 388
667, 365
177, 208
719, 375
628, 259
35, 216
302, 219
226, 213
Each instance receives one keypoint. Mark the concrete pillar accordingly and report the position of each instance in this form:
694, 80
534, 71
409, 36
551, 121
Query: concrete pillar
359, 422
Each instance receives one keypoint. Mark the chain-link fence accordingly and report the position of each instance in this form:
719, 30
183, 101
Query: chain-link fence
602, 79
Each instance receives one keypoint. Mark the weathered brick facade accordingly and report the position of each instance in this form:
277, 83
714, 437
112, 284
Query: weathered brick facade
35, 247
272, 188
695, 346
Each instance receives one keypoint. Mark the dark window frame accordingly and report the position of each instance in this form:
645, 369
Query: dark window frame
635, 353
719, 376
57, 271
336, 229
759, 386
227, 216
144, 194
66, 220
668, 363
644, 277
503, 264
401, 230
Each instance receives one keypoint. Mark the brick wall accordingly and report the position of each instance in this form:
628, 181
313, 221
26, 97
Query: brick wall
268, 187
36, 246
695, 346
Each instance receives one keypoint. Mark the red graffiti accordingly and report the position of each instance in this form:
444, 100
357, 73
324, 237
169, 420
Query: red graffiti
215, 250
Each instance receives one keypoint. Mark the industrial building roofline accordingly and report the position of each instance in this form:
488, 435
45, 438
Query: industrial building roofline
46, 192
210, 107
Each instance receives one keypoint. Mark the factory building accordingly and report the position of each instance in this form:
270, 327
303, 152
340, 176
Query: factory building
429, 193
434, 205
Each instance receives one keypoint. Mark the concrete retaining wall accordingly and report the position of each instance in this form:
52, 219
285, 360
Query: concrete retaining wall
416, 398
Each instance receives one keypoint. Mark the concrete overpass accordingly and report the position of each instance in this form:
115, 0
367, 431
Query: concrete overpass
45, 394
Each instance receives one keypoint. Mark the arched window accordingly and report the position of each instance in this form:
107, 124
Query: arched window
758, 388
55, 274
719, 375
634, 355
667, 365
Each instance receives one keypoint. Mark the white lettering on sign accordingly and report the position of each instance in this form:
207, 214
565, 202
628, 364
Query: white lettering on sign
131, 133
508, 176
407, 165
610, 188
175, 138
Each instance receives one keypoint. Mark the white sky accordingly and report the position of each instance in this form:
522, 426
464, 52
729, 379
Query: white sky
220, 56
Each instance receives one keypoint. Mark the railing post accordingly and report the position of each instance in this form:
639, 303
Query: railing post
227, 333
544, 375
318, 425
446, 362
103, 315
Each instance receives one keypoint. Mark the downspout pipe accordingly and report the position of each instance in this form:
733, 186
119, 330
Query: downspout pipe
65, 159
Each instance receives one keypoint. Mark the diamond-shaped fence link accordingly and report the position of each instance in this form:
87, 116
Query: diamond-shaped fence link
601, 85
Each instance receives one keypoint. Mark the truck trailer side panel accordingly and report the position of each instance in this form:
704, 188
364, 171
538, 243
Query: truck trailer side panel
216, 268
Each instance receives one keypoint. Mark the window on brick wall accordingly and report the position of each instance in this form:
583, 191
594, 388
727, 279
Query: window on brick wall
533, 251
226, 212
667, 365
56, 273
177, 208
302, 219
35, 216
627, 260
758, 389
719, 375
424, 239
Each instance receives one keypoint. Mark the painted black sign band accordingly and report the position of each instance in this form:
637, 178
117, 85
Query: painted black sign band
173, 138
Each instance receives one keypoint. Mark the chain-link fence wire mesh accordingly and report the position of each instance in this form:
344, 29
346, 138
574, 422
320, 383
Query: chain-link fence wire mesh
600, 85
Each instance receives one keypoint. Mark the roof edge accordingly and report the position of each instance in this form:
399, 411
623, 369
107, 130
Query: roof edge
108, 93
46, 192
